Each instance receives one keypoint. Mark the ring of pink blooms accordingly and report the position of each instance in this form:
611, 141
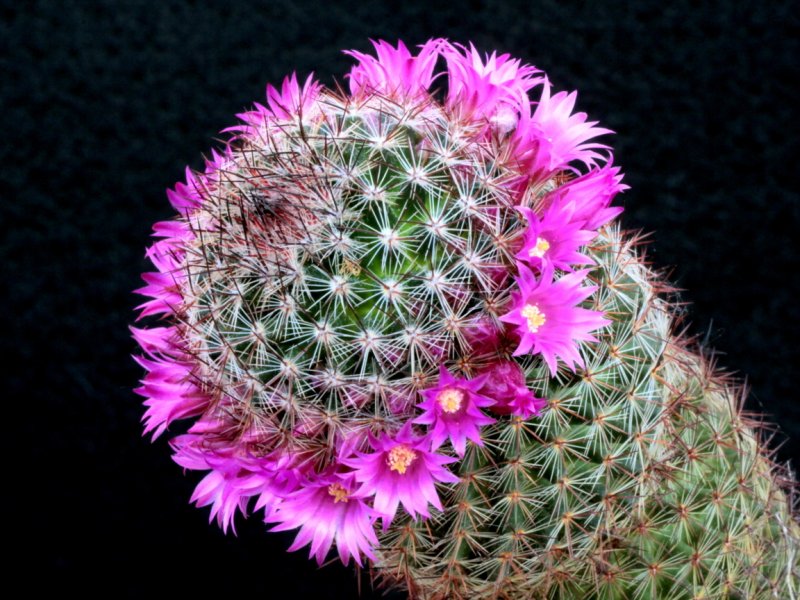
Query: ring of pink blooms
374, 477
452, 410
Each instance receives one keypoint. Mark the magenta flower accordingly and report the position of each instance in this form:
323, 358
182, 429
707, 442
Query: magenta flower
234, 477
289, 102
591, 195
327, 513
401, 470
186, 197
292, 100
504, 382
547, 318
170, 393
453, 410
554, 239
496, 89
164, 291
167, 253
395, 71
170, 390
552, 137
164, 287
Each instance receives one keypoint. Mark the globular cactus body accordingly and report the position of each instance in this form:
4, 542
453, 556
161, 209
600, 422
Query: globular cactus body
409, 328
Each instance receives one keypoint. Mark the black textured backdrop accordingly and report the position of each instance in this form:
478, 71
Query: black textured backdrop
103, 103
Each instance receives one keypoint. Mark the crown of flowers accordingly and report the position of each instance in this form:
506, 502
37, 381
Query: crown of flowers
332, 451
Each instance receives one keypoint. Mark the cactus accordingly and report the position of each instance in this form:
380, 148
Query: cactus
413, 329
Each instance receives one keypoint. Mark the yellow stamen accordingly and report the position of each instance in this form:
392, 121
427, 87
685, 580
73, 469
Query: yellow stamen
400, 458
536, 317
542, 246
450, 399
338, 492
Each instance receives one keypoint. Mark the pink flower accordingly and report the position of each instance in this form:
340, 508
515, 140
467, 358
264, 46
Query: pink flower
547, 318
167, 253
453, 409
554, 239
292, 100
186, 196
591, 195
288, 102
401, 470
168, 386
164, 291
504, 382
495, 89
170, 393
326, 512
552, 137
234, 477
395, 71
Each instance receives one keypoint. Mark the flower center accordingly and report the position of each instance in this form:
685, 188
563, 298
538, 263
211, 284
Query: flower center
338, 492
400, 458
450, 399
542, 246
536, 317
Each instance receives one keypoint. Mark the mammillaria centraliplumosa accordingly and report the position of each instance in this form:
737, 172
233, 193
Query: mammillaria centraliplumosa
407, 324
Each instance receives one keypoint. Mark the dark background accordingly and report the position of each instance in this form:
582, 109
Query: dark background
103, 103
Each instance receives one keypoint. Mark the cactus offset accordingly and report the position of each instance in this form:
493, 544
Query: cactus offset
408, 328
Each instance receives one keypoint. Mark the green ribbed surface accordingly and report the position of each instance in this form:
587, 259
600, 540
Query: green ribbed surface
342, 260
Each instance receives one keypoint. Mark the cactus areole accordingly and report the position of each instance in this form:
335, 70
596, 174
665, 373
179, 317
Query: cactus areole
404, 322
